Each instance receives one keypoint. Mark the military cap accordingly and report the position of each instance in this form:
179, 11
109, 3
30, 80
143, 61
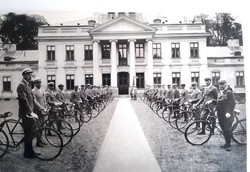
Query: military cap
222, 82
76, 86
60, 85
82, 85
27, 70
37, 80
207, 79
174, 84
51, 84
183, 84
194, 83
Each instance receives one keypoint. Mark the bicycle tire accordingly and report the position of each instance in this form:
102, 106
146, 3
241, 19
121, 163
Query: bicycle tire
74, 122
239, 132
166, 112
172, 118
181, 123
191, 133
4, 143
64, 129
53, 147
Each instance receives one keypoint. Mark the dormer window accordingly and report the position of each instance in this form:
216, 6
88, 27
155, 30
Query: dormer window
121, 14
111, 15
237, 53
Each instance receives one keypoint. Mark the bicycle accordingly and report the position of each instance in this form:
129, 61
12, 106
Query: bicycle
15, 134
238, 130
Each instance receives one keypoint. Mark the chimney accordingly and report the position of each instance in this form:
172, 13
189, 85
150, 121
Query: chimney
91, 22
157, 21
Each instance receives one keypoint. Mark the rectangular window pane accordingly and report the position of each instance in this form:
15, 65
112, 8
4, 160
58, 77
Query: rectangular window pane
194, 49
69, 52
6, 83
157, 78
156, 50
140, 80
176, 78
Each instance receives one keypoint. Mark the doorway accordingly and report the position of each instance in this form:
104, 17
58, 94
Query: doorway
123, 83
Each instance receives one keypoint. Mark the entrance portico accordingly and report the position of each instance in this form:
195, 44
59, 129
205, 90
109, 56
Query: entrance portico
122, 33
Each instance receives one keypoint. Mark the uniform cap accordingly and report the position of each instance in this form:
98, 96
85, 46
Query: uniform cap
174, 84
222, 82
51, 84
76, 86
27, 70
37, 80
183, 84
207, 79
60, 85
194, 83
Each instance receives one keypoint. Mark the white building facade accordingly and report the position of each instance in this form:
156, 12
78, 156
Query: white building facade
122, 51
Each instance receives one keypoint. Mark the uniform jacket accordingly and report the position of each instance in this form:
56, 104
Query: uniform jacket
226, 103
51, 99
74, 96
176, 94
169, 93
210, 93
184, 96
60, 96
26, 99
40, 96
195, 95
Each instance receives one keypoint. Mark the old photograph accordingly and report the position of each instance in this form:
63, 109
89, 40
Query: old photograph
122, 91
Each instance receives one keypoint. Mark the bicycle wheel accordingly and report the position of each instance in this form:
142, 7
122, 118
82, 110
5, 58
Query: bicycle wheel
172, 118
239, 132
74, 122
166, 112
183, 120
54, 144
4, 143
95, 111
192, 136
15, 131
63, 128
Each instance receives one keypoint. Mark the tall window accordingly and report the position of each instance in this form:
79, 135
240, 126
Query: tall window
51, 78
240, 78
6, 83
195, 77
176, 78
70, 82
156, 50
89, 79
106, 79
139, 50
157, 78
215, 78
88, 52
140, 80
106, 48
175, 50
122, 48
69, 52
51, 53
194, 49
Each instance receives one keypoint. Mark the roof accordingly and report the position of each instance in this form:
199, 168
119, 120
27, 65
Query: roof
223, 51
21, 55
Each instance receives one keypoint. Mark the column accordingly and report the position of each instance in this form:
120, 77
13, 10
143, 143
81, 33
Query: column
113, 63
96, 70
150, 63
131, 61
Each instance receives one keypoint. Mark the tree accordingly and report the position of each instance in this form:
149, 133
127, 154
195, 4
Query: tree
222, 28
21, 29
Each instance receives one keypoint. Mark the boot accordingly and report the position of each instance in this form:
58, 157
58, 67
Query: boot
202, 130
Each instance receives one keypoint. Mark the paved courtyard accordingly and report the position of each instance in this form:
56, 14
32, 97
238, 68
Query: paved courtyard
128, 136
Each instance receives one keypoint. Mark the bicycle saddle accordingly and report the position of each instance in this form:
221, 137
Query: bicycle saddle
5, 114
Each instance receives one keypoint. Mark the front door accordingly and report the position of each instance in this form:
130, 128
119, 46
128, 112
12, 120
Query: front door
123, 82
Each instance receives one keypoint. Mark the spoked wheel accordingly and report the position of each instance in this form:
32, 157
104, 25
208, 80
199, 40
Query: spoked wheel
239, 132
53, 141
193, 133
74, 122
4, 143
95, 111
85, 117
15, 128
183, 120
172, 118
63, 128
166, 112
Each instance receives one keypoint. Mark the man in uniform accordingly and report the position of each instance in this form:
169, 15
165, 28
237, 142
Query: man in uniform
175, 99
209, 100
225, 110
40, 97
27, 103
60, 94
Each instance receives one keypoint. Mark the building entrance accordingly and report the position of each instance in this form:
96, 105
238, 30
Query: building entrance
123, 82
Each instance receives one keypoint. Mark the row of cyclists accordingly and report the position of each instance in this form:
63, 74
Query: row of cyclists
211, 99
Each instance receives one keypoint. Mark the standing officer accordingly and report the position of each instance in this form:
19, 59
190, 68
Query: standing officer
27, 102
225, 109
60, 94
208, 99
40, 97
175, 99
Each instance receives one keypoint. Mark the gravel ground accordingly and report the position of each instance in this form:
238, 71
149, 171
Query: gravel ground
80, 155
173, 153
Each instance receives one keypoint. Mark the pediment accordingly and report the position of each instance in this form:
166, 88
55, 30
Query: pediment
122, 24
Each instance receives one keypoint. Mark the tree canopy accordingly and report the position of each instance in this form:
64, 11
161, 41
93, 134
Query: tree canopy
21, 29
222, 27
